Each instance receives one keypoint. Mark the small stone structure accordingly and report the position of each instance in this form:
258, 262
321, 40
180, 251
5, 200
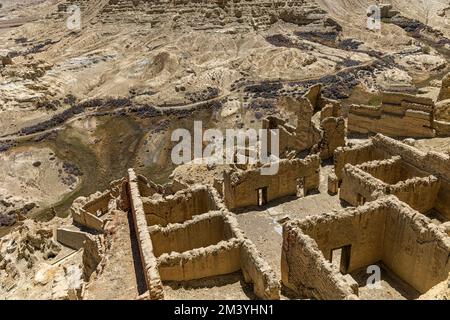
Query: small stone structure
385, 166
193, 237
386, 230
243, 188
92, 212
400, 115
319, 124
182, 232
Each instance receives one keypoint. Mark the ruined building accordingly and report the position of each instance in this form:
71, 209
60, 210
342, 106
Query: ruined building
183, 233
313, 122
243, 188
386, 232
384, 166
399, 115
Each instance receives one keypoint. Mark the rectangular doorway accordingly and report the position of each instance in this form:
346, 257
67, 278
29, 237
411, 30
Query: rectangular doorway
341, 258
301, 190
262, 196
360, 199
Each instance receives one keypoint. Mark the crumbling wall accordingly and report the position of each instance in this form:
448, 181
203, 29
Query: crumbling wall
385, 230
93, 252
240, 188
88, 212
206, 244
355, 155
87, 219
419, 193
415, 249
359, 186
415, 124
222, 258
202, 231
334, 133
388, 170
405, 99
177, 208
305, 270
361, 228
400, 115
148, 259
437, 164
148, 188
418, 188
257, 271
99, 205
301, 136
330, 109
322, 134
363, 183
72, 238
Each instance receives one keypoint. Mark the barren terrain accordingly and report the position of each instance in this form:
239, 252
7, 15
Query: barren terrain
79, 107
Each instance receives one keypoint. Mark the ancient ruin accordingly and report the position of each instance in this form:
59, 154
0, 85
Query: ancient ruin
386, 232
119, 179
182, 235
384, 166
318, 124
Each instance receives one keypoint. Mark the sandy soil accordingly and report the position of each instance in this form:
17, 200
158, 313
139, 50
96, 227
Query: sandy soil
122, 278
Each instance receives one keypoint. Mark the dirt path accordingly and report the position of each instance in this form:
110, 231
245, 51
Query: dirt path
122, 278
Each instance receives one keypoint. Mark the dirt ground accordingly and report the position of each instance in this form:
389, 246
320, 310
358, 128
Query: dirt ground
391, 287
122, 278
262, 226
227, 287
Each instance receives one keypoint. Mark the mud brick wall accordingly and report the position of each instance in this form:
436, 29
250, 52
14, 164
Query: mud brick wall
419, 193
434, 163
148, 259
240, 188
388, 170
180, 207
355, 155
412, 123
222, 258
362, 228
415, 249
305, 270
357, 183
257, 271
386, 230
203, 231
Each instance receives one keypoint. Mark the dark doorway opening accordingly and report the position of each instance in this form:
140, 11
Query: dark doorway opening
301, 190
360, 199
341, 258
262, 196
